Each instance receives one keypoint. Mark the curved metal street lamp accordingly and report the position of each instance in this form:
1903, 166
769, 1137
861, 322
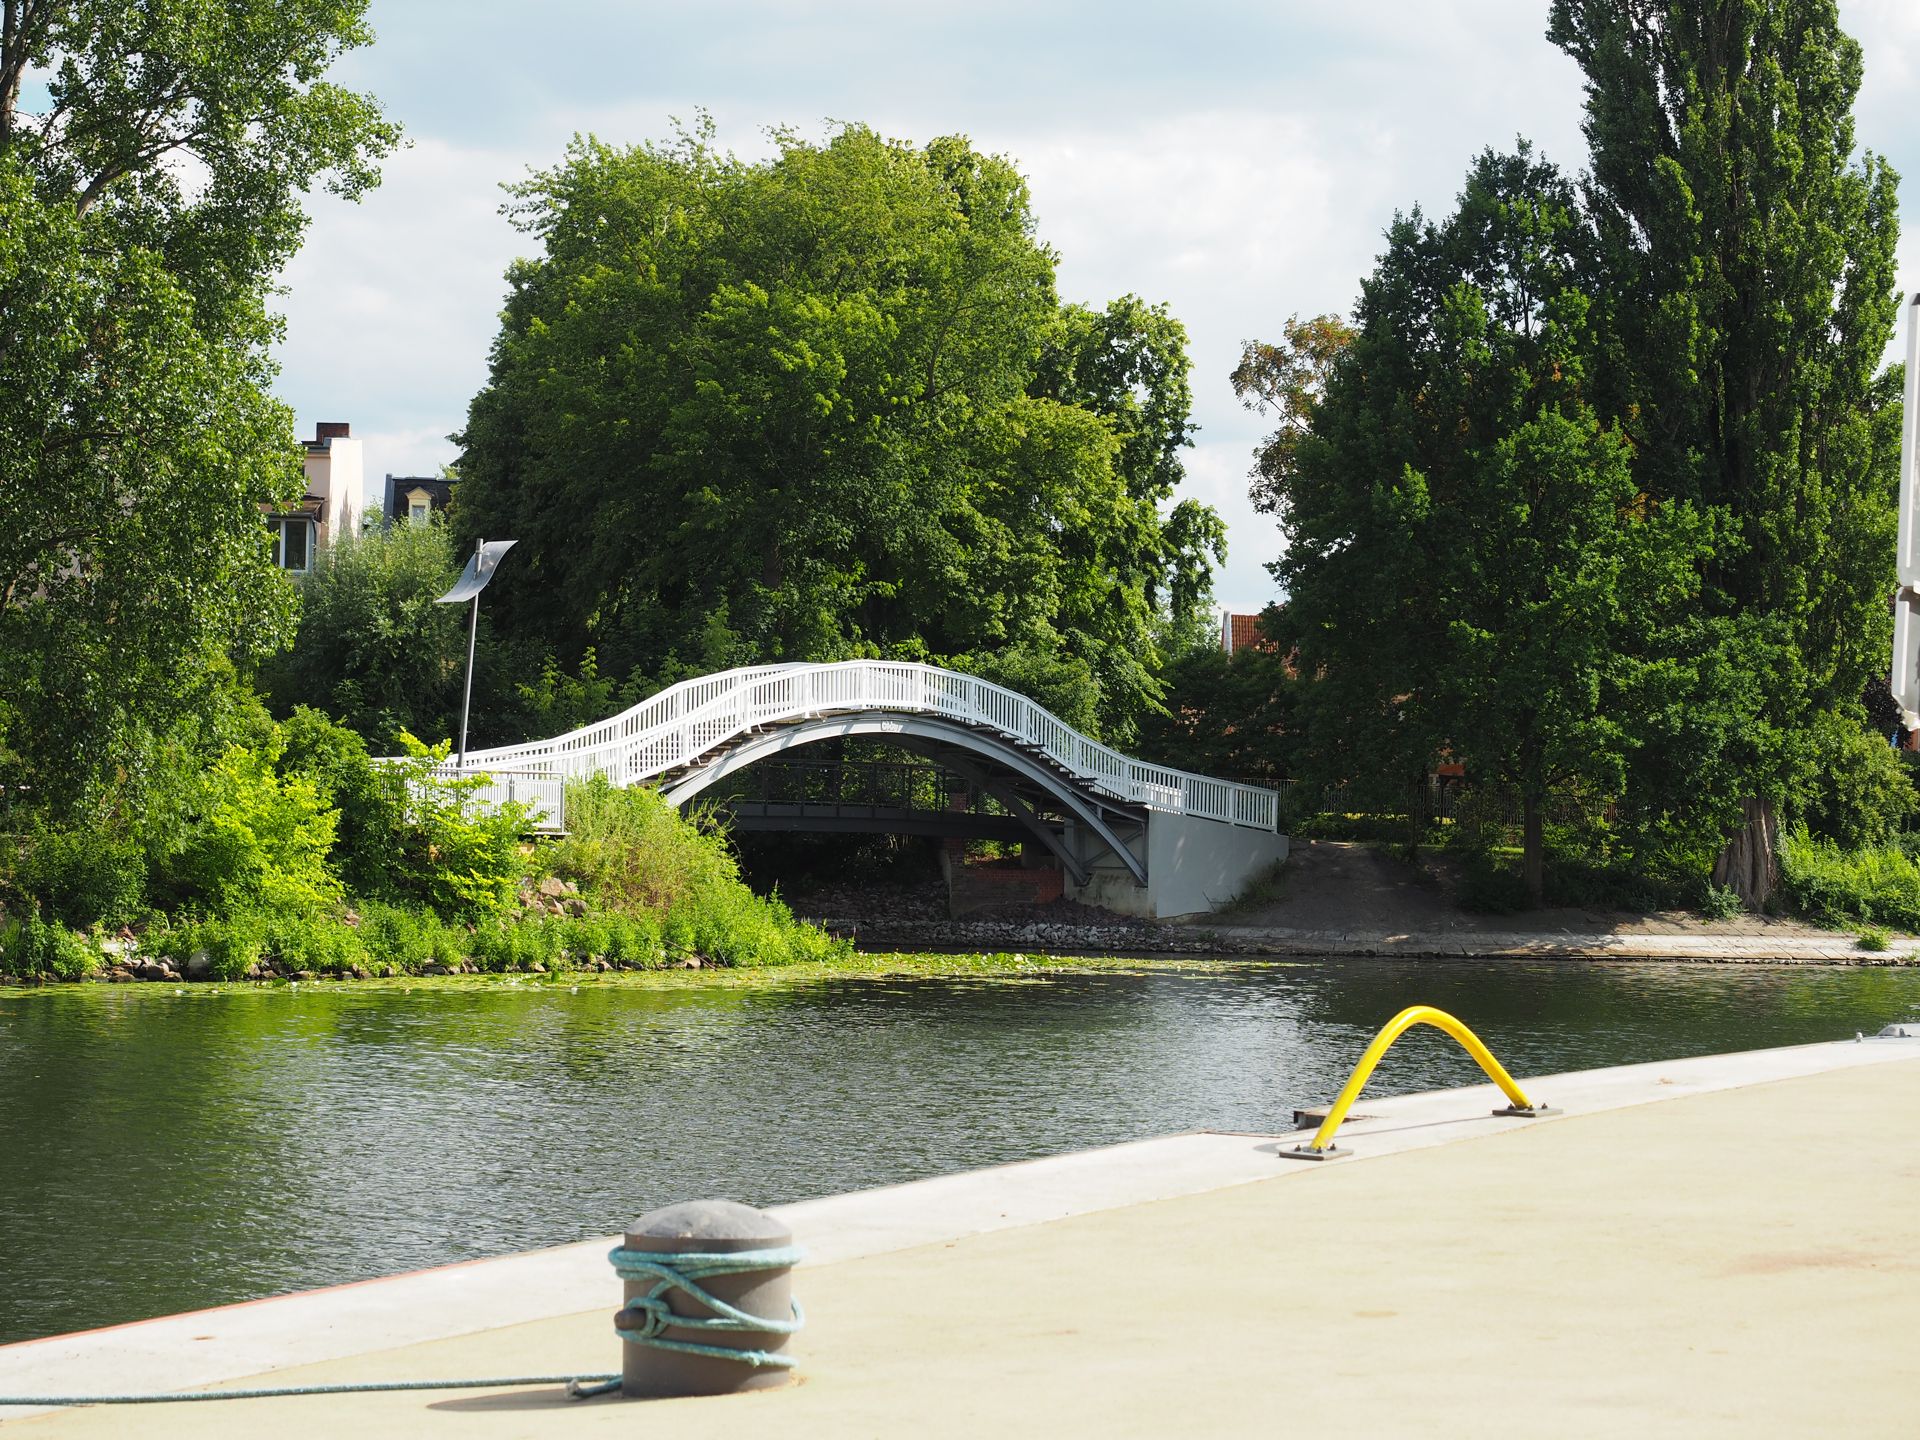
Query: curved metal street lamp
480, 567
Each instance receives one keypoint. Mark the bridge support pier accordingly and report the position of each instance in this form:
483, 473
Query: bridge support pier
1193, 867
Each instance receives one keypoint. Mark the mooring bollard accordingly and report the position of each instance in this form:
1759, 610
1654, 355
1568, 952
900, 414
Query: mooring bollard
709, 1300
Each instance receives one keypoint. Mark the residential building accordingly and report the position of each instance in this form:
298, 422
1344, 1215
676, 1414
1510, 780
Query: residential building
1242, 632
415, 499
336, 494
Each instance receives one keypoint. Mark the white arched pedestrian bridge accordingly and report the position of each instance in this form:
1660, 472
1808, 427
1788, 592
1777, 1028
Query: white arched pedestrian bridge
1116, 824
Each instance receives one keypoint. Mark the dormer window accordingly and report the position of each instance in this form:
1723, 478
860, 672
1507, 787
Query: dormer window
416, 500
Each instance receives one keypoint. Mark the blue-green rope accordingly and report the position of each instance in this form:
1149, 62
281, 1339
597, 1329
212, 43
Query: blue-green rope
648, 1317
575, 1385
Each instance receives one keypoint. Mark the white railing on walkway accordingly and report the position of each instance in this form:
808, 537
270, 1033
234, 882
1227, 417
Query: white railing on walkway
544, 794
695, 718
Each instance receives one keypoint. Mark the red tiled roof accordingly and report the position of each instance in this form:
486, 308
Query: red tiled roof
1244, 633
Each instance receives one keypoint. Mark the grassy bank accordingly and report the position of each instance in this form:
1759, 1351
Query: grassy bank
301, 858
1869, 885
999, 966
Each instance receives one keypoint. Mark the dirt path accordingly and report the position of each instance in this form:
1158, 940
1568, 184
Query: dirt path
1334, 898
1329, 885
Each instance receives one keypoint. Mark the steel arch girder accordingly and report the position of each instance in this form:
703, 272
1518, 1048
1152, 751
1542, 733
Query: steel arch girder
999, 788
755, 748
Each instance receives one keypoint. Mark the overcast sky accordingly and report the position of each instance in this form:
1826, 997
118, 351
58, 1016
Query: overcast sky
1237, 161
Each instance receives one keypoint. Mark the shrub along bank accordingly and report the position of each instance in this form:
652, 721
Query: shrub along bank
1872, 884
296, 854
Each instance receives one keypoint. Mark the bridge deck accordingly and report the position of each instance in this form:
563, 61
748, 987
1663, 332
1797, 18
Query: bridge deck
691, 723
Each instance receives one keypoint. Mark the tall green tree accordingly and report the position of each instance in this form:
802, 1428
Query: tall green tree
1471, 566
1287, 378
153, 164
825, 406
1231, 715
1745, 281
375, 649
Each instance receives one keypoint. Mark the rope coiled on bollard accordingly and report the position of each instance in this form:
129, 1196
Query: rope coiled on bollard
646, 1319
279, 1392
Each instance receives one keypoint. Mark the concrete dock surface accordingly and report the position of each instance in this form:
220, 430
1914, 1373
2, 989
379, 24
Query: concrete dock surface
1740, 1258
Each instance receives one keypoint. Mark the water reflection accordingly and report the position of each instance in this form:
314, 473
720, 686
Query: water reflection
247, 1142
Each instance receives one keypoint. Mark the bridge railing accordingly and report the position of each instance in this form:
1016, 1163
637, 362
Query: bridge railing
686, 721
544, 794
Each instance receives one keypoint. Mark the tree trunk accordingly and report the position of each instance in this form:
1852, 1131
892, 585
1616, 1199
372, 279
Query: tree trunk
1747, 865
1533, 848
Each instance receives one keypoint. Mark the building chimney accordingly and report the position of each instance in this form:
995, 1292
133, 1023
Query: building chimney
331, 430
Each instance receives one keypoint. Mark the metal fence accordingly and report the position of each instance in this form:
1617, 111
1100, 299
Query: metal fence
1497, 807
544, 795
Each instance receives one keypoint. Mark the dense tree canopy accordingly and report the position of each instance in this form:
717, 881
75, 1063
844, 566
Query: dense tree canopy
375, 649
1227, 714
824, 406
1471, 567
1745, 283
153, 160
1598, 495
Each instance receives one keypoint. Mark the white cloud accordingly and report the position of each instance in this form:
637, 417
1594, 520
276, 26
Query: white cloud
420, 451
1238, 163
1229, 207
1889, 36
1217, 475
392, 304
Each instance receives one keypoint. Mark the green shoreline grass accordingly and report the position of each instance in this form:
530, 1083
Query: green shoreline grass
905, 965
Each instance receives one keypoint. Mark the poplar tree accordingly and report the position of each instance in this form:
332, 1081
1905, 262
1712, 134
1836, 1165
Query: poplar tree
1745, 280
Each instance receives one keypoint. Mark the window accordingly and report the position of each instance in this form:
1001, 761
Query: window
417, 513
292, 542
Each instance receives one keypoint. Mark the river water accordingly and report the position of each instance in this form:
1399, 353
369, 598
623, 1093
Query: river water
164, 1150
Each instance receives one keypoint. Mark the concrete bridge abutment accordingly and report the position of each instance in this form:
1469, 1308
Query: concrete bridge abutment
1193, 866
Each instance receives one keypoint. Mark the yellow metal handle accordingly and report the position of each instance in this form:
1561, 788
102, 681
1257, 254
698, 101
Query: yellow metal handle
1408, 1018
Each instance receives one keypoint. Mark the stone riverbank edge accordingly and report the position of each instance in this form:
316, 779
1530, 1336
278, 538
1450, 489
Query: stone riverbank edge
1201, 938
939, 949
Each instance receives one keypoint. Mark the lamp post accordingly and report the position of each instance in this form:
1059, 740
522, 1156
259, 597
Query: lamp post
480, 567
1906, 602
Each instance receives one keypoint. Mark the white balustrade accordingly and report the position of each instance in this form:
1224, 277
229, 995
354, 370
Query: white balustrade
543, 792
686, 721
